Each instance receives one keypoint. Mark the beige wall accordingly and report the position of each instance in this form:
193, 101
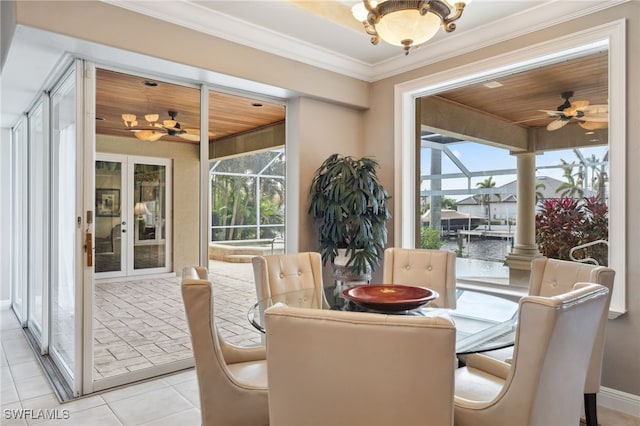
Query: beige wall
621, 370
320, 129
186, 187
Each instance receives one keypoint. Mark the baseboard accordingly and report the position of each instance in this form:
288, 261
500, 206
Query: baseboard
5, 303
619, 401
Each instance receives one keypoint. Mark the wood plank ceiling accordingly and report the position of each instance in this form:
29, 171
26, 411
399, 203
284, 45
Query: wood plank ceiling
522, 96
518, 101
229, 115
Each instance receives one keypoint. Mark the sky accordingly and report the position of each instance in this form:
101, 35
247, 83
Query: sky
478, 157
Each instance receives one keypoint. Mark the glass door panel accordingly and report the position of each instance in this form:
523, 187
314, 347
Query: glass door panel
19, 205
131, 230
110, 226
64, 228
38, 224
150, 215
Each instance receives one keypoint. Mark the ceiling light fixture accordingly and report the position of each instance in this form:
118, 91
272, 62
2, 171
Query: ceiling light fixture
493, 85
407, 23
153, 130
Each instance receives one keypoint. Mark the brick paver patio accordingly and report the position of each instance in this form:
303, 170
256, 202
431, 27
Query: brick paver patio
140, 322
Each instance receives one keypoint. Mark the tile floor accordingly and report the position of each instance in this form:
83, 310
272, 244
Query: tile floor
169, 400
140, 323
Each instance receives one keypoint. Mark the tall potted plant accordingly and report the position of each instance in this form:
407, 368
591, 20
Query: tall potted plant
350, 210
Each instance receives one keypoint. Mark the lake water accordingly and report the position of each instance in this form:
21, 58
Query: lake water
481, 257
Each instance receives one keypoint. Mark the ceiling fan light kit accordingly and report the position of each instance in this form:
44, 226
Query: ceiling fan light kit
151, 117
589, 117
407, 23
155, 130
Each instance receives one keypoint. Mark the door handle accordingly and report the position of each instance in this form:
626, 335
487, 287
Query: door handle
89, 248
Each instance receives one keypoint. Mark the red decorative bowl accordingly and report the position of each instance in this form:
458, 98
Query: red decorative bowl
389, 297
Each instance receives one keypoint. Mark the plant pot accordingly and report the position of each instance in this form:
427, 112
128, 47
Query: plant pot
343, 274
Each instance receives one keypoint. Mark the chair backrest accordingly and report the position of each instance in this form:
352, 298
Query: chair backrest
554, 340
350, 368
435, 269
280, 273
224, 399
550, 277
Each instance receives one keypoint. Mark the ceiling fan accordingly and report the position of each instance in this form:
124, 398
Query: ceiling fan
589, 117
154, 129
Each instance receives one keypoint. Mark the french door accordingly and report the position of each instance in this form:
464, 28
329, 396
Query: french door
133, 217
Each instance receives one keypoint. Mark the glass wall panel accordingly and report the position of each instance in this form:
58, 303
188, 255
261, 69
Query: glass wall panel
63, 278
38, 222
19, 224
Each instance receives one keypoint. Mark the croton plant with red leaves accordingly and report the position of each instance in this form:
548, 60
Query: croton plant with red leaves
564, 223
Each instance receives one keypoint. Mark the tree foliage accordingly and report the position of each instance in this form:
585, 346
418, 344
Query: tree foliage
235, 196
485, 199
430, 238
574, 186
567, 222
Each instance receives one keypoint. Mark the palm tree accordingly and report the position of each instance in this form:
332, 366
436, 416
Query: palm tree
539, 195
599, 175
485, 199
572, 187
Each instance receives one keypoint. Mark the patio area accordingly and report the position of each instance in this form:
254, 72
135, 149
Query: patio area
139, 323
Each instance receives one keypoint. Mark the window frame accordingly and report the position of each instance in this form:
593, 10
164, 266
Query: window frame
611, 35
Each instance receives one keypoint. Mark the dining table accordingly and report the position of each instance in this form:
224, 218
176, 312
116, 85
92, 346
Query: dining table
483, 321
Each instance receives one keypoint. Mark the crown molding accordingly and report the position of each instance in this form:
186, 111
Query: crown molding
230, 28
199, 18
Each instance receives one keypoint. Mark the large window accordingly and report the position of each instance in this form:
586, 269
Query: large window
608, 39
471, 204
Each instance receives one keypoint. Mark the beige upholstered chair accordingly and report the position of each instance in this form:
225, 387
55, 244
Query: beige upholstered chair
542, 386
352, 368
435, 269
232, 380
550, 277
280, 273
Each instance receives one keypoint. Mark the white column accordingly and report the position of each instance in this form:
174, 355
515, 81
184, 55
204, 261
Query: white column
525, 248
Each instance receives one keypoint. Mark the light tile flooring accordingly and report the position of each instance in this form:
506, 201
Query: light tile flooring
170, 400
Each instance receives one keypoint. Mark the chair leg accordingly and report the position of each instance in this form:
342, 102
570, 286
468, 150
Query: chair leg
590, 411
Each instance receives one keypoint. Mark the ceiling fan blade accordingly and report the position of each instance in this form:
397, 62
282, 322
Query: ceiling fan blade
196, 132
551, 112
557, 124
593, 125
600, 118
596, 109
190, 137
528, 120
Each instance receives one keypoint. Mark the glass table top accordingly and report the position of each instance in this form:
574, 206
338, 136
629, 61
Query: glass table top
483, 322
